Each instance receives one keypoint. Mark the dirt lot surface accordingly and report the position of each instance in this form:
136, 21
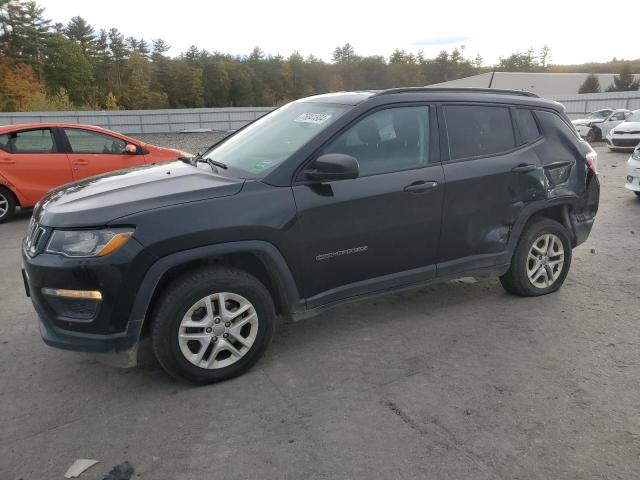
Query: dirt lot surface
457, 381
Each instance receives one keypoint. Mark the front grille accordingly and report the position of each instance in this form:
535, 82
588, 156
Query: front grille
35, 239
624, 142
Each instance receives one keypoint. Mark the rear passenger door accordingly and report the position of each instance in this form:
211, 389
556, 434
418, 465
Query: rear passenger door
492, 172
33, 162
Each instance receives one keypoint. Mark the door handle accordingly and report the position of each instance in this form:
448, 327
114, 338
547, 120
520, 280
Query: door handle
420, 186
524, 168
7, 161
81, 162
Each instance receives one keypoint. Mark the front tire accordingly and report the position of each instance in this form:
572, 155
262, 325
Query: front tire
212, 324
541, 260
7, 205
637, 193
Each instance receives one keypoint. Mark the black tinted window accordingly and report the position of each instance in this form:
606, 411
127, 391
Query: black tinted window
527, 124
560, 139
32, 141
475, 130
387, 140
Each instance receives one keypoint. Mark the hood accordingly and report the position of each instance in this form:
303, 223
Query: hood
99, 200
628, 127
587, 121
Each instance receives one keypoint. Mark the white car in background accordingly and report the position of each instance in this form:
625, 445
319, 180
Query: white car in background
633, 172
595, 126
625, 136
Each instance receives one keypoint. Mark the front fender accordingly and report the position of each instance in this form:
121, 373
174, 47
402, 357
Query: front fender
265, 251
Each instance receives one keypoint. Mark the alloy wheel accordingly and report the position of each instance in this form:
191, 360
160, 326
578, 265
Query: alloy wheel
218, 330
545, 260
4, 205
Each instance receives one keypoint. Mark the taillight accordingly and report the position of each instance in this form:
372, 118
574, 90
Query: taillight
591, 158
592, 162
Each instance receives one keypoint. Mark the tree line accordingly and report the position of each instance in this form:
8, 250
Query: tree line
625, 81
53, 66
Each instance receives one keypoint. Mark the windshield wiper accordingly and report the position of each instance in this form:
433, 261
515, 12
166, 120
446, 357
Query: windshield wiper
213, 163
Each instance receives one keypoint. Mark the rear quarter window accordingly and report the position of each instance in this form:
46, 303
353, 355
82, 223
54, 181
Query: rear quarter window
476, 131
560, 143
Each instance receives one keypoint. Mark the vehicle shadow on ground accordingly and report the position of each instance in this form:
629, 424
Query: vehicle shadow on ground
396, 316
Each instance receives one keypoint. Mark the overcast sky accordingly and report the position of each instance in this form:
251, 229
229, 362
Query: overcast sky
574, 30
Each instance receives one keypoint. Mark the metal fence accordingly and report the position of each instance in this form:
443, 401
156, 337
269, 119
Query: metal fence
147, 121
580, 104
226, 119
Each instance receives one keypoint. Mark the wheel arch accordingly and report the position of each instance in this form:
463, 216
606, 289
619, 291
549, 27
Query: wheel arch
12, 192
258, 258
558, 210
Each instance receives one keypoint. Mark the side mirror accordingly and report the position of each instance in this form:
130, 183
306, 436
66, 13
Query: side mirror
131, 148
334, 166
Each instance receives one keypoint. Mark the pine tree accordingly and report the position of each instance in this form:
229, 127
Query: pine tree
625, 81
590, 85
81, 32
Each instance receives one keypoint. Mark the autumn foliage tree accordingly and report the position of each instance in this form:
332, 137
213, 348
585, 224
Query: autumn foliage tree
74, 66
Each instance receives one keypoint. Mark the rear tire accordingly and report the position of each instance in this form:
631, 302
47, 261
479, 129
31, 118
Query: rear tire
7, 204
637, 193
541, 260
187, 342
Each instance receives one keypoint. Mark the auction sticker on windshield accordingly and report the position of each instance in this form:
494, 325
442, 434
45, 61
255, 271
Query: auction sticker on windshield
317, 118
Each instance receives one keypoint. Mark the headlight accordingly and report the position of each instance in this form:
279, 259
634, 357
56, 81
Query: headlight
87, 243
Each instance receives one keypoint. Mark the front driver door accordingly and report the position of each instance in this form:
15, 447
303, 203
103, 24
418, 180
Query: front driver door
381, 229
93, 153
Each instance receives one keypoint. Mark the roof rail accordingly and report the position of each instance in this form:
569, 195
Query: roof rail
496, 91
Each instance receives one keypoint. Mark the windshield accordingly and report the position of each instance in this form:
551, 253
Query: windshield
635, 117
270, 140
599, 114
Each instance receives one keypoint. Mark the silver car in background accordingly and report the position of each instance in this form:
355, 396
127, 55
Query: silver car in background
595, 126
626, 135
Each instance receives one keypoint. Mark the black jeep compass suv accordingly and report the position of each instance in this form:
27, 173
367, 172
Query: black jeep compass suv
327, 199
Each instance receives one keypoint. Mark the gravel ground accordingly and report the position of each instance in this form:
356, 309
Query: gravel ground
189, 142
457, 381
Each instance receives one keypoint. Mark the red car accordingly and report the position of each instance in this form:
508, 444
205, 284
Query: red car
34, 158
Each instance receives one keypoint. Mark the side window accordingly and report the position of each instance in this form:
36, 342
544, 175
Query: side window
617, 116
32, 141
85, 141
478, 130
4, 142
527, 124
387, 140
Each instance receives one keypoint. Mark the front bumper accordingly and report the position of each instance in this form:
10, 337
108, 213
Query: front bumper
633, 175
100, 326
622, 141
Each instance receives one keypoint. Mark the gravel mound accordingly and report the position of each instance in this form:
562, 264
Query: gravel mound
189, 142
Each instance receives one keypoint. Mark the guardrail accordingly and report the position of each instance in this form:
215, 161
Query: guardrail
147, 121
229, 119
